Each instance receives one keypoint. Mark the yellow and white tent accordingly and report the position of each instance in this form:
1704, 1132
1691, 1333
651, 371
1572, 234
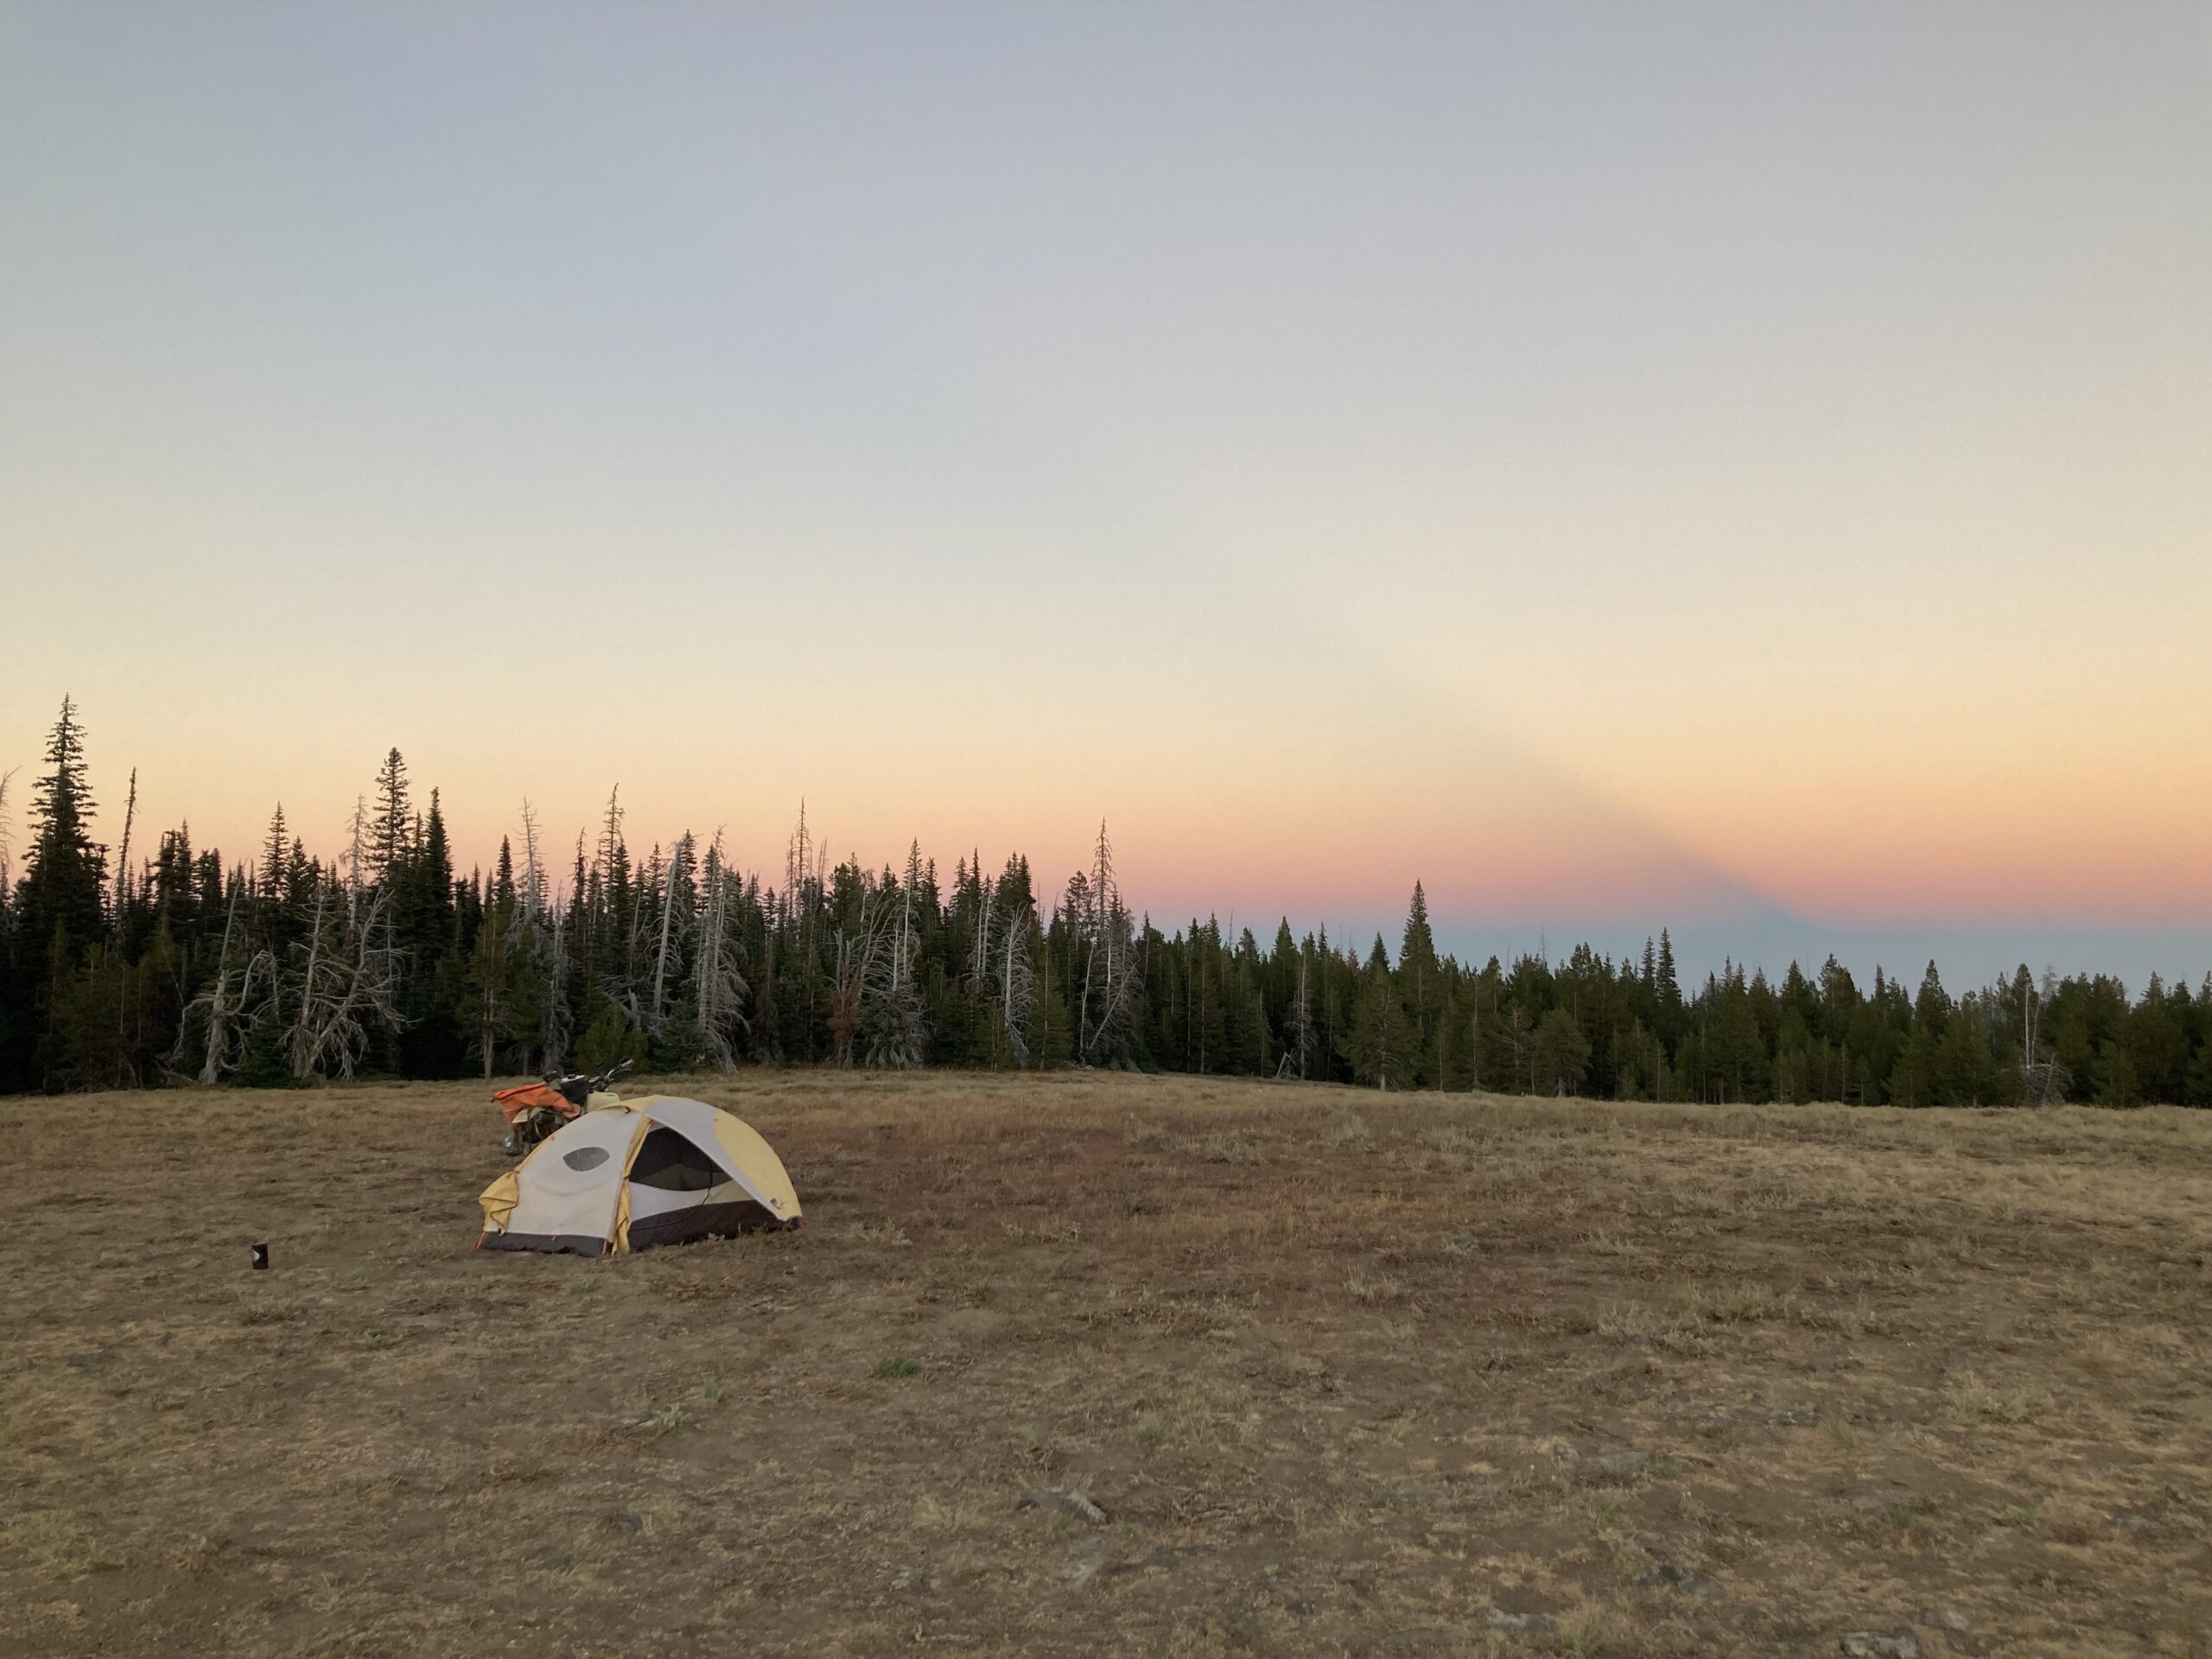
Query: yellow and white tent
627, 1177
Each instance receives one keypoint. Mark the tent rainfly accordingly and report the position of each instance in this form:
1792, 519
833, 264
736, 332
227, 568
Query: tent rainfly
656, 1171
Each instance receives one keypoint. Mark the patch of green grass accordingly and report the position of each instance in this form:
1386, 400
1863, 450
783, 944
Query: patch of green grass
672, 1420
899, 1366
715, 1394
1508, 1425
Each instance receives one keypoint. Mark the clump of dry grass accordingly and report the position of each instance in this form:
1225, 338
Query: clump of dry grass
1975, 1398
1374, 1287
1347, 1131
1231, 1146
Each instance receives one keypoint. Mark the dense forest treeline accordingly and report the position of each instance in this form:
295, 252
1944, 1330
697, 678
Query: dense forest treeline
152, 961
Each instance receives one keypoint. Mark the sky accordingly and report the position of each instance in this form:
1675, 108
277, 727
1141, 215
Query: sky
1741, 469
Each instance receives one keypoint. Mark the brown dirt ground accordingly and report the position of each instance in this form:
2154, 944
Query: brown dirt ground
1349, 1374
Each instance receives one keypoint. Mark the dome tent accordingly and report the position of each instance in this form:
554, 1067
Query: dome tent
656, 1171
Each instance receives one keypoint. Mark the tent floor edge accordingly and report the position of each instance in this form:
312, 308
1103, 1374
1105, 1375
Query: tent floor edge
544, 1244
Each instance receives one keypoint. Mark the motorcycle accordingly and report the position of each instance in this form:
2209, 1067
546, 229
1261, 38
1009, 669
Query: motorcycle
534, 1110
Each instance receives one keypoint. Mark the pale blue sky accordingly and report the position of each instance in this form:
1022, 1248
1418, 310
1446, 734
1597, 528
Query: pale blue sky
1636, 464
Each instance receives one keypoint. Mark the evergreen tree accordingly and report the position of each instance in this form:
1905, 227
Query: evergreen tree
1420, 986
1562, 1054
59, 915
275, 857
63, 882
389, 828
2117, 1084
1667, 993
1380, 1045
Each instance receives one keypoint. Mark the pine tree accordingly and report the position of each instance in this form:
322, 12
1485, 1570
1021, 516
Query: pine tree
275, 853
2119, 1085
1668, 989
1381, 1045
1419, 981
1931, 1009
1562, 1054
390, 824
61, 889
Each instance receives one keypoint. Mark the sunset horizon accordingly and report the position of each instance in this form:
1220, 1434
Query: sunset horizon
1758, 488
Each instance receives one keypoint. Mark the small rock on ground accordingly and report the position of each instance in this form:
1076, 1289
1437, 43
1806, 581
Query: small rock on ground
1901, 1643
1063, 1500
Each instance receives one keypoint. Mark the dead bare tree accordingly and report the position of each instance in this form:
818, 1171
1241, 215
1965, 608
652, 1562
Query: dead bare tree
1111, 981
717, 967
1017, 983
530, 892
347, 977
537, 943
357, 853
893, 1031
1299, 1050
860, 953
2043, 1081
6, 837
226, 1003
980, 946
676, 880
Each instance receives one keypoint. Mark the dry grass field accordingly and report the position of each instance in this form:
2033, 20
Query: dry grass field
1347, 1373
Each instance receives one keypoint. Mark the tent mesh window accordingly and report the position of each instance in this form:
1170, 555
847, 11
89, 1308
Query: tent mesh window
671, 1163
